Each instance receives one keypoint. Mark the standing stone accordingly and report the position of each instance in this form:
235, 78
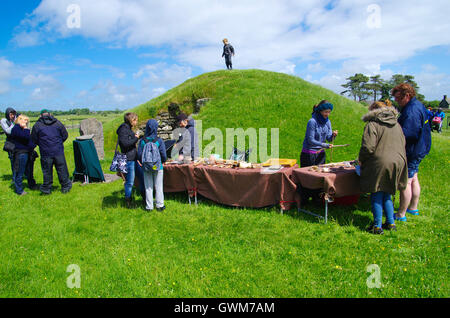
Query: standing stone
94, 127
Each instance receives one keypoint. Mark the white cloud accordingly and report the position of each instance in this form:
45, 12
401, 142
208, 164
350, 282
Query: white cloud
5, 75
162, 74
264, 33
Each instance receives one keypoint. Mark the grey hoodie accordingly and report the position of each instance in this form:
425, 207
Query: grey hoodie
6, 123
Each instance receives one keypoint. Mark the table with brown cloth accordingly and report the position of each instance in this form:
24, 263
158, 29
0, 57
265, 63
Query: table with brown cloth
179, 178
339, 182
235, 186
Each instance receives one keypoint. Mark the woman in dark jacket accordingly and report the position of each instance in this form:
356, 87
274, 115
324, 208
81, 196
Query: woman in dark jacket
127, 143
23, 154
153, 179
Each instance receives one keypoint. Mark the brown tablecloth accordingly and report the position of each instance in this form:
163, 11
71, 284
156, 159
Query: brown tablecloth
339, 182
234, 187
179, 178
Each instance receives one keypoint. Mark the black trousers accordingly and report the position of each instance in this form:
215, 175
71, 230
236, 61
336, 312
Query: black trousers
307, 160
60, 164
228, 62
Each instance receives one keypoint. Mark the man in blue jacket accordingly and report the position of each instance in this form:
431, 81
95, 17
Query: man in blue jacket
416, 128
49, 134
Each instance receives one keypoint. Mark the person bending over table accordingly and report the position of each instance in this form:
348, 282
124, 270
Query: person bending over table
383, 162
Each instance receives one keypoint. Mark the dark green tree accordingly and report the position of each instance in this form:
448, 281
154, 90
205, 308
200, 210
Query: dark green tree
356, 87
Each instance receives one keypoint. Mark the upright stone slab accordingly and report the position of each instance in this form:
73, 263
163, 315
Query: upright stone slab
94, 127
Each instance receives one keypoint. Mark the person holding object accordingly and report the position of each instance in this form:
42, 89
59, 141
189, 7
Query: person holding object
440, 114
417, 130
50, 134
382, 158
127, 142
228, 52
24, 154
7, 124
318, 131
153, 179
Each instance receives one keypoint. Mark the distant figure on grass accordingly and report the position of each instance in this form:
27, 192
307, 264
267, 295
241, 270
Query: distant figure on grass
382, 158
228, 52
416, 128
318, 131
153, 176
49, 134
441, 115
127, 141
24, 154
186, 147
7, 124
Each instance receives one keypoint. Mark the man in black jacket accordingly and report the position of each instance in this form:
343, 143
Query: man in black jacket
49, 134
228, 51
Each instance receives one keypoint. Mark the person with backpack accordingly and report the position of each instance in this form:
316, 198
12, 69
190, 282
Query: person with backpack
228, 51
151, 156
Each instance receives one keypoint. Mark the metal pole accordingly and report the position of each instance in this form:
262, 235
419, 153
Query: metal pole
326, 211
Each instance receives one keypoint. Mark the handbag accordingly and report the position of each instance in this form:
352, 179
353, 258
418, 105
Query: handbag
119, 162
9, 146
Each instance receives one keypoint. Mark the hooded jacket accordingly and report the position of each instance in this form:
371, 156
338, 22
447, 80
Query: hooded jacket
127, 141
49, 134
6, 123
382, 154
416, 128
190, 136
151, 130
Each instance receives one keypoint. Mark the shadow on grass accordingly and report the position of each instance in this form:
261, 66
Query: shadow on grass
6, 177
114, 200
341, 215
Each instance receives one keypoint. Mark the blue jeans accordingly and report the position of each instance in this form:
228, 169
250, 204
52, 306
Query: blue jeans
129, 180
382, 201
18, 177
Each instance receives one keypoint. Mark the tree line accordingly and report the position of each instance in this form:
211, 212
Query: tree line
76, 111
362, 87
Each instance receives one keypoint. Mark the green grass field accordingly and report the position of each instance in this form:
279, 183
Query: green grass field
211, 250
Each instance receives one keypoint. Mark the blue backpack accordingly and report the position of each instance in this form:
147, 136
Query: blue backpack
151, 158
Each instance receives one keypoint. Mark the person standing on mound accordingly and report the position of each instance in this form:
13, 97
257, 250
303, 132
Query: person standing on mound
228, 52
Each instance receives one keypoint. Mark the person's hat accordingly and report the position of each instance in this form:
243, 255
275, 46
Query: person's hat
181, 117
45, 111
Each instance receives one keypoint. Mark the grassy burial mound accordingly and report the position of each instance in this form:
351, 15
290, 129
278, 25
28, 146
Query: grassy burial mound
257, 99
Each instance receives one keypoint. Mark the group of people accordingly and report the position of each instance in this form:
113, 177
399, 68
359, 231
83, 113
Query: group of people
132, 145
391, 151
436, 118
49, 134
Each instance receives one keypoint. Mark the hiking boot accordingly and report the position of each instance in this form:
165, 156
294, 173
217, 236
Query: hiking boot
375, 230
161, 208
389, 227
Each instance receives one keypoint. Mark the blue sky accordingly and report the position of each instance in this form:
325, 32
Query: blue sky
123, 53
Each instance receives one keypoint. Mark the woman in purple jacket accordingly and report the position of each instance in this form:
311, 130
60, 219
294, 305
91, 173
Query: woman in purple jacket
24, 154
